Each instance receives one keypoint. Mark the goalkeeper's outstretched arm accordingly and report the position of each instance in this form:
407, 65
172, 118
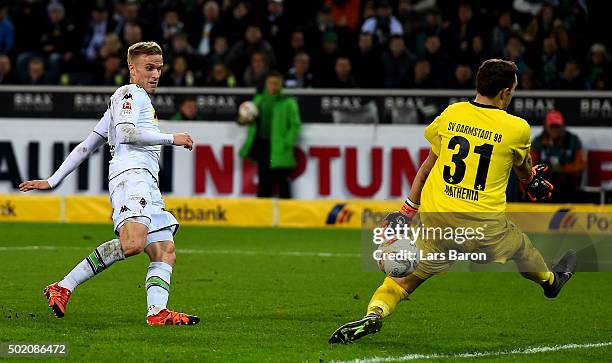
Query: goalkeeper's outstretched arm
421, 177
411, 205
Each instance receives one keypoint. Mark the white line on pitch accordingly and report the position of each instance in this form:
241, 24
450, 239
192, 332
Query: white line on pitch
34, 248
265, 253
533, 350
196, 251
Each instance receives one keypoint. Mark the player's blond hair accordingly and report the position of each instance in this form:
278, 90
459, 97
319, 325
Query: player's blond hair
142, 48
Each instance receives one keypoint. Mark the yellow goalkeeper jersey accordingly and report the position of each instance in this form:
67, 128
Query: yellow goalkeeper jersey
477, 145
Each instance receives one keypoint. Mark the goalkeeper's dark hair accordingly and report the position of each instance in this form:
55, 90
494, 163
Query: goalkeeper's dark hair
494, 75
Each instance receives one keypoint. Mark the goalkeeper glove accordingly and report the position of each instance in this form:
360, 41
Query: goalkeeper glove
404, 216
537, 187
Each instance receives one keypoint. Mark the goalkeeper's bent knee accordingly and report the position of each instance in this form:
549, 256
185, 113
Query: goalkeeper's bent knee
386, 298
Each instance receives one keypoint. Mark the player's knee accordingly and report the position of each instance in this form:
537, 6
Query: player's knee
133, 237
132, 245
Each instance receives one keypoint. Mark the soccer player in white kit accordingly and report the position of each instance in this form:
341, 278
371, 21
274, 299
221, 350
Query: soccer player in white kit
139, 218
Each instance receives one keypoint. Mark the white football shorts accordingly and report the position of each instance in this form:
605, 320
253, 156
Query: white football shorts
135, 196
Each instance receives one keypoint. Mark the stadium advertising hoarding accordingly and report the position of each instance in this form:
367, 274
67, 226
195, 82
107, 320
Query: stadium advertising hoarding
30, 208
376, 162
587, 220
316, 106
189, 211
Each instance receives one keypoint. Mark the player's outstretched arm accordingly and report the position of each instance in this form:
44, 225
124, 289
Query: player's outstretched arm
127, 133
74, 159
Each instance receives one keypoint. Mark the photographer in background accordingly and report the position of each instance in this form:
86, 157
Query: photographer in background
271, 137
562, 151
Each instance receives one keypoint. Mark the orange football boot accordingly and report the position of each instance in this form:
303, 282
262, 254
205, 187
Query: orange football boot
169, 317
58, 298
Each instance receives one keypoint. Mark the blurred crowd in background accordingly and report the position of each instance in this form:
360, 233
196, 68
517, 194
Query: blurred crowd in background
556, 44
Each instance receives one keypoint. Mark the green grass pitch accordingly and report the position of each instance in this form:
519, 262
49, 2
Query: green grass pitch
261, 302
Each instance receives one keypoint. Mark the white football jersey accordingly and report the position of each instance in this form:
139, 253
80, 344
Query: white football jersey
130, 104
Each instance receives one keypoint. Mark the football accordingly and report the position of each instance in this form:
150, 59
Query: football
397, 257
247, 111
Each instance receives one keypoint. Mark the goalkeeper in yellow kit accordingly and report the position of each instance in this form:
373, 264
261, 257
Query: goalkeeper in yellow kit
474, 147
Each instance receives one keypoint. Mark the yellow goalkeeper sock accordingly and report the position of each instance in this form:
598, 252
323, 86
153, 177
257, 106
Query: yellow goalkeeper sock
540, 277
386, 298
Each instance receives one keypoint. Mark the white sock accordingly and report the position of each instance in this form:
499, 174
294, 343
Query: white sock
79, 274
158, 286
100, 259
